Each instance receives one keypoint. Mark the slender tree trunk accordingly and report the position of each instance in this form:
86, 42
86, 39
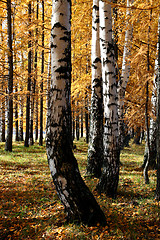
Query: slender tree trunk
35, 79
158, 118
145, 172
86, 119
16, 84
21, 105
21, 116
77, 123
3, 118
73, 124
110, 175
95, 148
137, 134
41, 86
3, 92
124, 76
81, 123
26, 143
78, 201
8, 145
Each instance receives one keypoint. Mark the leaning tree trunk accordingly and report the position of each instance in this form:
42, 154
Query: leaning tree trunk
95, 148
110, 175
158, 118
124, 76
8, 145
78, 201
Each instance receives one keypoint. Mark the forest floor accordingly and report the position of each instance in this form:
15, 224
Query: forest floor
30, 208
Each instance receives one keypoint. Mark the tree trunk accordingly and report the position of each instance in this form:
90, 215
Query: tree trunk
81, 123
35, 89
95, 148
77, 125
78, 201
41, 86
73, 123
8, 145
146, 167
158, 118
21, 117
3, 87
124, 76
26, 143
137, 135
86, 119
110, 175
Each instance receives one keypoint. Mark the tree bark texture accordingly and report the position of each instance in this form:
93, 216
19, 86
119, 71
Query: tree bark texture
158, 118
8, 145
110, 175
125, 75
95, 148
41, 86
78, 201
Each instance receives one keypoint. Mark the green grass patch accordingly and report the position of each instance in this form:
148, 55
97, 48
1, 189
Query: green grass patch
30, 208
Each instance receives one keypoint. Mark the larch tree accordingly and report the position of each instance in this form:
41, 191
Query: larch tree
8, 144
110, 175
95, 148
78, 201
158, 118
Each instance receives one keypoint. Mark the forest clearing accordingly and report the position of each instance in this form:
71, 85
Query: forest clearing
30, 208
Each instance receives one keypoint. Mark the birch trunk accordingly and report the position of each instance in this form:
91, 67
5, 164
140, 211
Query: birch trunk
95, 148
110, 175
158, 118
78, 201
125, 75
41, 85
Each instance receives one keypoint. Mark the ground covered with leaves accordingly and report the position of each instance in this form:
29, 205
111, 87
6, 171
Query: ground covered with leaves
30, 208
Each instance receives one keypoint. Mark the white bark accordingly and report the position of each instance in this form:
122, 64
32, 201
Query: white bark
95, 149
158, 118
125, 71
109, 179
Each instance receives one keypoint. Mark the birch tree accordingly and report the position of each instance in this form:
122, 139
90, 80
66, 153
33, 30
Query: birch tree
125, 74
79, 203
158, 117
95, 149
109, 179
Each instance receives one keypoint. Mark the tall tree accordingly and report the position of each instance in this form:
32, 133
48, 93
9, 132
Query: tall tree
3, 87
158, 118
78, 201
8, 145
95, 148
125, 74
42, 72
110, 175
26, 143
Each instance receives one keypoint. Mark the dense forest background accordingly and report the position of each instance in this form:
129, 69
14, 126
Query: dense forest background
29, 30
